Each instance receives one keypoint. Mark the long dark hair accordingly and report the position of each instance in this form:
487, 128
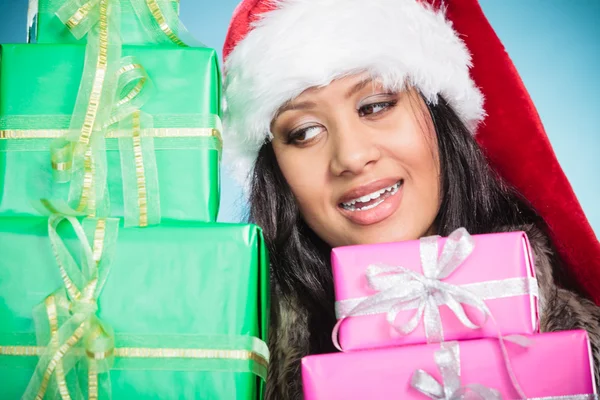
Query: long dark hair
473, 196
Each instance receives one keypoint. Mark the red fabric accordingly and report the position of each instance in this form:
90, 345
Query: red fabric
517, 146
246, 13
512, 136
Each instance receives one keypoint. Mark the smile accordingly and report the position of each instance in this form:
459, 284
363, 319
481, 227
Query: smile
371, 200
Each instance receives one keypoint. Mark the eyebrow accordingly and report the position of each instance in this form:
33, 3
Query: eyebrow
358, 87
291, 105
307, 105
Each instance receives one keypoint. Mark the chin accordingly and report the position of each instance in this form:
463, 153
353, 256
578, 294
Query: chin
389, 234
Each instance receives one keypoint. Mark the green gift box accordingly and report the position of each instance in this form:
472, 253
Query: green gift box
38, 90
46, 27
188, 285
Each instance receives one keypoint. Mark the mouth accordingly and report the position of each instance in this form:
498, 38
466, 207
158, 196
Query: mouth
373, 207
371, 200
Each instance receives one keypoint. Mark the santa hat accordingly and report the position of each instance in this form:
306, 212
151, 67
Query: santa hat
276, 49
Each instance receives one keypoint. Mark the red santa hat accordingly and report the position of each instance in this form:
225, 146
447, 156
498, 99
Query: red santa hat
276, 49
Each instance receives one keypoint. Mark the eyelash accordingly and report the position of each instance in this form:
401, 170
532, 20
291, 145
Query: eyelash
294, 136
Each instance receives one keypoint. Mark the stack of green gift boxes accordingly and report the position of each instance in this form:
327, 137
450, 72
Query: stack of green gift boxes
115, 280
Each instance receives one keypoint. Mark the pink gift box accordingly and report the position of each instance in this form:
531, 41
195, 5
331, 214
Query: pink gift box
555, 364
496, 259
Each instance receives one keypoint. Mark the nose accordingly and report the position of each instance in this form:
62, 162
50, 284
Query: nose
354, 149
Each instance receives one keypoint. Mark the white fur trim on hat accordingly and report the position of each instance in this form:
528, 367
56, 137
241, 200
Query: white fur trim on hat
309, 43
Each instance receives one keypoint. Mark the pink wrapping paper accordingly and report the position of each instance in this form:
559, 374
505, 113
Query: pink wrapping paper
495, 257
555, 364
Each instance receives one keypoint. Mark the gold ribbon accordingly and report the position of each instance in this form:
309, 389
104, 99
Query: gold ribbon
93, 105
54, 343
22, 134
80, 15
86, 152
70, 311
161, 20
242, 348
82, 151
140, 172
151, 352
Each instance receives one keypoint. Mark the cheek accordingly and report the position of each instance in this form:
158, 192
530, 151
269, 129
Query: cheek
303, 174
427, 176
415, 149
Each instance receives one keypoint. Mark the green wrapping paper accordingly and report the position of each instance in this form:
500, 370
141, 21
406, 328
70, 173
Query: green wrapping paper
38, 89
48, 28
168, 286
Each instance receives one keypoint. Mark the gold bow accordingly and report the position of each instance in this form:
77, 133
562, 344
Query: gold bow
70, 314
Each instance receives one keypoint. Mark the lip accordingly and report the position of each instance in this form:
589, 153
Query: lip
379, 213
366, 189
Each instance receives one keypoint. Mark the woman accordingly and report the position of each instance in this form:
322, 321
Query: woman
355, 122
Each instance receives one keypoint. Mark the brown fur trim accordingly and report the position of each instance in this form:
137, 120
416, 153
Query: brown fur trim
288, 343
561, 309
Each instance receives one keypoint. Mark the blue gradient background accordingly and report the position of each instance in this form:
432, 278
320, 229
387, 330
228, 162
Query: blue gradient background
555, 45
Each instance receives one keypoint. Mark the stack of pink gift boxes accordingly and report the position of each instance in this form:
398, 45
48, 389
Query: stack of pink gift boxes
445, 318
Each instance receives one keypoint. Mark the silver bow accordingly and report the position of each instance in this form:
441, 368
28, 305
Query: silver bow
447, 360
400, 289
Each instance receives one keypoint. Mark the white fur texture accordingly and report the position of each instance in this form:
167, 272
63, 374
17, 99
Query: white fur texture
309, 43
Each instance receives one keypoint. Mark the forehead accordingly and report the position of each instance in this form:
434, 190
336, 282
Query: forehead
342, 86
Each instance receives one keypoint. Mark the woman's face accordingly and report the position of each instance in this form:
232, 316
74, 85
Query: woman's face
361, 162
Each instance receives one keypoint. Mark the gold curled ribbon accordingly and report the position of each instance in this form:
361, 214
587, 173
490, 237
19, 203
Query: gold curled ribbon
80, 15
137, 89
70, 154
138, 164
93, 104
86, 154
76, 303
160, 19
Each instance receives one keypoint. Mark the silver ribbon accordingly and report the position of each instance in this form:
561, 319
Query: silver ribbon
447, 360
569, 397
399, 289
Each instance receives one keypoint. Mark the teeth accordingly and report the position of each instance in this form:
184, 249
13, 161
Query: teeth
371, 196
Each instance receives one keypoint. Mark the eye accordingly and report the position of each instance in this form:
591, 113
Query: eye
304, 135
376, 108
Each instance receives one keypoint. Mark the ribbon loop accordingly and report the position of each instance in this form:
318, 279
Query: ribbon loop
457, 249
79, 16
447, 360
138, 160
133, 89
70, 311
